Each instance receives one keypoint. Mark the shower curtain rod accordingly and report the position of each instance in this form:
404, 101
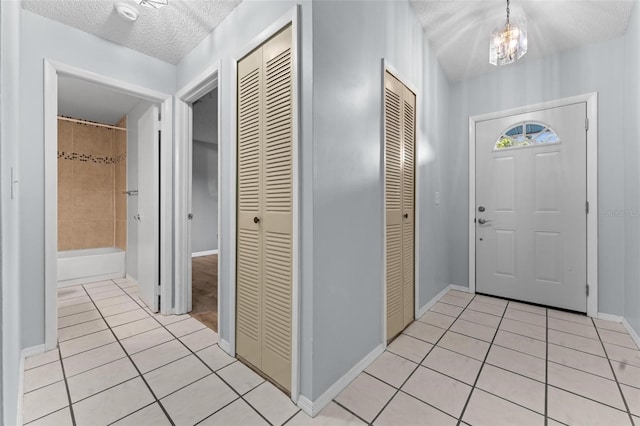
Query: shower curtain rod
91, 123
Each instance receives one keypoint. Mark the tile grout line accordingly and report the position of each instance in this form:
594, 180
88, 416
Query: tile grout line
240, 396
66, 385
624, 400
473, 388
546, 372
397, 390
136, 367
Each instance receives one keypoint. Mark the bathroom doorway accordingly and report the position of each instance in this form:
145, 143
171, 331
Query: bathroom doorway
95, 230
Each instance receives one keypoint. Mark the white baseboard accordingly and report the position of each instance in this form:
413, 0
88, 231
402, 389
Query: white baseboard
204, 253
609, 317
225, 346
439, 296
314, 407
24, 354
130, 278
631, 331
459, 288
87, 280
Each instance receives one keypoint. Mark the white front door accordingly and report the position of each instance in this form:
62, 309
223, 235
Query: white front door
148, 208
531, 227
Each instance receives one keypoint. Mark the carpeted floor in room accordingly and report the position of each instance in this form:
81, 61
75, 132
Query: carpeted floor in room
205, 290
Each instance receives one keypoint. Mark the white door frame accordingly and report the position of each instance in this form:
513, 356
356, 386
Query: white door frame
591, 99
387, 67
52, 70
191, 92
291, 17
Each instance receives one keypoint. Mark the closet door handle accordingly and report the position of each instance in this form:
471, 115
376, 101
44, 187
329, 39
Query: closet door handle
256, 219
406, 215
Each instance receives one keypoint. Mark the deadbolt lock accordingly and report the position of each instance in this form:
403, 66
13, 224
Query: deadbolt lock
481, 208
190, 216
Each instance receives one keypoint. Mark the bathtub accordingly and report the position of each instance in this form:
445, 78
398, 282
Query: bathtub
90, 265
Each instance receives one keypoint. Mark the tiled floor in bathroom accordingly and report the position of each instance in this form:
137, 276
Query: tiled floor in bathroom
469, 360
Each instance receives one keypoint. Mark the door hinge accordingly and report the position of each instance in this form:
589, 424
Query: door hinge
586, 123
159, 300
586, 207
587, 289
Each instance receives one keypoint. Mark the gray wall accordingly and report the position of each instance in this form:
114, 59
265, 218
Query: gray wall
350, 39
204, 201
591, 68
9, 210
132, 184
632, 171
42, 38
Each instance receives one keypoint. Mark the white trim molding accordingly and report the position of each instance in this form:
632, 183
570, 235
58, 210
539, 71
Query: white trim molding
632, 332
312, 408
591, 100
24, 354
204, 253
439, 296
610, 317
130, 278
289, 18
387, 67
52, 70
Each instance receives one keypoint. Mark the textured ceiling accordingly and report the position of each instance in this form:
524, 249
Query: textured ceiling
458, 30
88, 101
168, 33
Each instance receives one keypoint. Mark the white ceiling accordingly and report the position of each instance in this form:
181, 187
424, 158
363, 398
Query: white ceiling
88, 101
458, 30
168, 33
205, 118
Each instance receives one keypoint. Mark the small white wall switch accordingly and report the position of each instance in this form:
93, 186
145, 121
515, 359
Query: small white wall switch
437, 198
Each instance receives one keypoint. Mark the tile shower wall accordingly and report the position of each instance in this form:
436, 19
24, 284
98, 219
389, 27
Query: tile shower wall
119, 153
90, 176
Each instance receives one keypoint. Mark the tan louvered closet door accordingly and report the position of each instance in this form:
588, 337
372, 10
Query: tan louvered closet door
273, 143
249, 238
399, 132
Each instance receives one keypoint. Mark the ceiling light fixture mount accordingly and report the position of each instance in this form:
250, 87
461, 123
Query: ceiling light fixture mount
126, 11
508, 43
156, 4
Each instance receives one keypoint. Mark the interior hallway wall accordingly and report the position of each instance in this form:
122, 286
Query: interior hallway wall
598, 67
204, 226
11, 320
632, 170
350, 40
41, 39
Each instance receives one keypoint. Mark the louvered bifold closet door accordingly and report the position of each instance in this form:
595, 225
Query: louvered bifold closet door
393, 203
408, 191
278, 208
265, 208
399, 140
249, 238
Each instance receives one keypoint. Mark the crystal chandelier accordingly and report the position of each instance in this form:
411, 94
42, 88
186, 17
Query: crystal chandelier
156, 4
508, 43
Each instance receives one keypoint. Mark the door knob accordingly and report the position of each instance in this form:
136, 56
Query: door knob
256, 219
137, 217
483, 221
406, 215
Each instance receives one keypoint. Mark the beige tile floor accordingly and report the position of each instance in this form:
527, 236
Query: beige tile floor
469, 360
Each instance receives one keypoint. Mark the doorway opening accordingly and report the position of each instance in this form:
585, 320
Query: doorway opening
204, 208
102, 170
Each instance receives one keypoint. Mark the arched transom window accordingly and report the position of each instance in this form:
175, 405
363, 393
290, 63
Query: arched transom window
526, 134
